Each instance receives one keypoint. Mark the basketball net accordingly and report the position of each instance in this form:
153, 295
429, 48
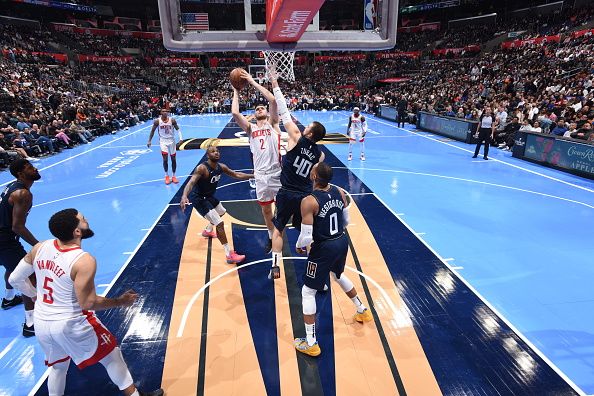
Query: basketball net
280, 63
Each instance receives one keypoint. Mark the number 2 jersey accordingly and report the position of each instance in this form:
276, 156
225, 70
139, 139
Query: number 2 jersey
329, 222
297, 164
56, 299
265, 145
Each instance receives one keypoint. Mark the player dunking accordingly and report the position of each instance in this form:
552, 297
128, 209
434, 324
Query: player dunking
165, 124
324, 218
356, 130
265, 143
302, 154
65, 324
202, 187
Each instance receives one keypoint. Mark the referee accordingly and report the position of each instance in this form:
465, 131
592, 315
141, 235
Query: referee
486, 129
15, 202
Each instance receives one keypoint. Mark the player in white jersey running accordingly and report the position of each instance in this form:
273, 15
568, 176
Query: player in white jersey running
165, 125
356, 130
65, 323
265, 145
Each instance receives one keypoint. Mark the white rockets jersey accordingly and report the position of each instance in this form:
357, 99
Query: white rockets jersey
265, 145
56, 299
356, 124
166, 130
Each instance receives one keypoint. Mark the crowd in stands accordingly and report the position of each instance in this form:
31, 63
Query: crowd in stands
46, 107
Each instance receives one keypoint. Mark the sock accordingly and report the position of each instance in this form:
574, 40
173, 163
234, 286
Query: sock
277, 258
269, 234
135, 393
358, 304
362, 148
310, 332
29, 318
10, 294
350, 147
209, 227
227, 249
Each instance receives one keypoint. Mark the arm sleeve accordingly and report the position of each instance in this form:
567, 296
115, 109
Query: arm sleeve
20, 278
281, 103
345, 216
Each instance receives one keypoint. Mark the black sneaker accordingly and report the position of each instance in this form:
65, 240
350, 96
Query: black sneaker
7, 304
157, 392
28, 331
268, 247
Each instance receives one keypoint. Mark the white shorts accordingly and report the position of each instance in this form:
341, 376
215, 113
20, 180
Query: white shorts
167, 147
84, 339
267, 185
356, 136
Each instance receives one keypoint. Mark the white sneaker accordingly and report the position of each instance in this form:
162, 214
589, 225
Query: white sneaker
362, 157
350, 157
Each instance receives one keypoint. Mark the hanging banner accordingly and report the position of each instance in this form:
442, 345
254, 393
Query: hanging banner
580, 33
107, 59
389, 55
176, 61
457, 51
60, 4
59, 57
538, 40
324, 58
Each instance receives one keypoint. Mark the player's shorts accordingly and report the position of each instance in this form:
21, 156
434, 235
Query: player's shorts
167, 147
205, 204
325, 256
288, 203
11, 252
267, 186
84, 339
356, 136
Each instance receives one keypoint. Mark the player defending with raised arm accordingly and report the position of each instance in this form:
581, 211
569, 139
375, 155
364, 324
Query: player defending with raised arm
65, 324
165, 124
325, 216
265, 139
202, 187
356, 131
302, 154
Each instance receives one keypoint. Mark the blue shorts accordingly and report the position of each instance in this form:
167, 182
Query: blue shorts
325, 256
204, 204
288, 203
11, 252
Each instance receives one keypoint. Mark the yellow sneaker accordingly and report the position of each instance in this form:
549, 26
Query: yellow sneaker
302, 346
365, 316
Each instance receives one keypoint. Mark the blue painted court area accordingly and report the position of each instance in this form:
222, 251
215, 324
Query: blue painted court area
515, 232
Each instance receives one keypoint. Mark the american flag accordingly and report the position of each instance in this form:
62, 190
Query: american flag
195, 20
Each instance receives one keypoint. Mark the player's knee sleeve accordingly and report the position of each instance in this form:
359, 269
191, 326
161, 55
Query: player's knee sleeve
220, 210
117, 369
56, 381
308, 299
344, 282
213, 217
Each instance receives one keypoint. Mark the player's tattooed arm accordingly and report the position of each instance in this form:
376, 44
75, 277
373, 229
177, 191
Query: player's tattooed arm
234, 174
197, 175
174, 124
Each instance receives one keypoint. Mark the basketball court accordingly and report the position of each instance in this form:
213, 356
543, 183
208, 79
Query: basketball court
475, 279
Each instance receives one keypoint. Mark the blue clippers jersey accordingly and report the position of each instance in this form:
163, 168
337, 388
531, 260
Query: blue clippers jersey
328, 223
6, 210
207, 187
297, 165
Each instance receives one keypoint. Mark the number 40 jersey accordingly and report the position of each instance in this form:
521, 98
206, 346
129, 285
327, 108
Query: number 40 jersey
297, 164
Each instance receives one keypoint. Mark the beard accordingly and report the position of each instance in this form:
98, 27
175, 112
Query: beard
262, 117
86, 233
35, 177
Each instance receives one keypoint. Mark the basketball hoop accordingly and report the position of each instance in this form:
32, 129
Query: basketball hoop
281, 62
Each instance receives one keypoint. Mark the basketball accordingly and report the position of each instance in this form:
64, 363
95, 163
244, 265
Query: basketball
236, 80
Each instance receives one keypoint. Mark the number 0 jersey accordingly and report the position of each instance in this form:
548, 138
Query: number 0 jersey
329, 222
297, 164
56, 299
